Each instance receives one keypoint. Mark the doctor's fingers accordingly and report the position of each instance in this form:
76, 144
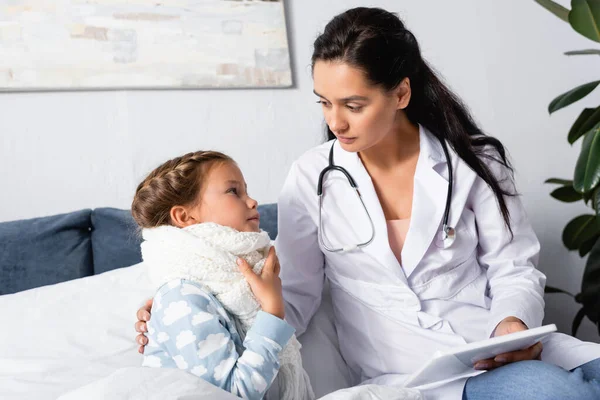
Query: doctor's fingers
532, 353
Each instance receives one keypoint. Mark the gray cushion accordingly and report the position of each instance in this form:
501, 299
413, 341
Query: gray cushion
44, 251
116, 239
268, 219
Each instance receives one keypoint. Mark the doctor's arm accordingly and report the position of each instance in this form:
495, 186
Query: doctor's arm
302, 262
515, 286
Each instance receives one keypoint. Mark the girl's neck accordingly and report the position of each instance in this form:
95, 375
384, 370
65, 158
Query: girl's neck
398, 146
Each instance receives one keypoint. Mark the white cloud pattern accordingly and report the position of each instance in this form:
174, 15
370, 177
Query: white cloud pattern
222, 370
180, 361
258, 381
199, 370
211, 344
201, 317
152, 362
184, 338
253, 359
162, 337
176, 311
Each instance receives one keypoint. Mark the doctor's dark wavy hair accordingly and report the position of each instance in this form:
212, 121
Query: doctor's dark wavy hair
176, 182
376, 42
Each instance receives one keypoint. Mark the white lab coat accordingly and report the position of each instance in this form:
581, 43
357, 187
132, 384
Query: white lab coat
391, 318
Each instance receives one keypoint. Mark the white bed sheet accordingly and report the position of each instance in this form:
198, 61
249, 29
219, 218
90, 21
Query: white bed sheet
58, 338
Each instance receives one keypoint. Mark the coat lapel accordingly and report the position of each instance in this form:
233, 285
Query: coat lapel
429, 201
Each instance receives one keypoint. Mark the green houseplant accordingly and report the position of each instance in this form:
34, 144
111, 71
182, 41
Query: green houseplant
583, 232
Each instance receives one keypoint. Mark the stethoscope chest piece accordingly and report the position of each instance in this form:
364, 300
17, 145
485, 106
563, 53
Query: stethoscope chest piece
445, 238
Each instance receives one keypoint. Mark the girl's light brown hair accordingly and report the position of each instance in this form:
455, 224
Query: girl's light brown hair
176, 182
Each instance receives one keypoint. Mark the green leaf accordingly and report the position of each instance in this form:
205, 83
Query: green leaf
590, 285
559, 181
579, 230
587, 246
585, 18
587, 169
596, 202
583, 52
566, 194
551, 289
572, 96
555, 9
585, 122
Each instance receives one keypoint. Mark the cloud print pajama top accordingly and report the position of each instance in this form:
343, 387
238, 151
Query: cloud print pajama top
190, 330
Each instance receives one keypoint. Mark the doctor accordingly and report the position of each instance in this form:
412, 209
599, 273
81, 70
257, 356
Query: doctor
433, 249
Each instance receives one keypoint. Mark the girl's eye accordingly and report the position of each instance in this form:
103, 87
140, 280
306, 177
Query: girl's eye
232, 190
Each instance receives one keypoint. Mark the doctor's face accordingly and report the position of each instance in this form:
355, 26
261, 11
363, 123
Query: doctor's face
358, 113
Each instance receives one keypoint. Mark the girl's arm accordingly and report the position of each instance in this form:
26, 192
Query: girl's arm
190, 328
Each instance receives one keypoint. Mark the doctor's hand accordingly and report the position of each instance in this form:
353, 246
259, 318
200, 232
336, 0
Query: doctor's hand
143, 316
266, 286
506, 326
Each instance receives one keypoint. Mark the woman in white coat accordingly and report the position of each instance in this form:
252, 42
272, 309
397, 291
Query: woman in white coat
405, 292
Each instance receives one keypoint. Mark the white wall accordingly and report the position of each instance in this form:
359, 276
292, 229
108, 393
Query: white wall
65, 151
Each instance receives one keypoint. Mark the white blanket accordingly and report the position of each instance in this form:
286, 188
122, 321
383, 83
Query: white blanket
59, 338
159, 384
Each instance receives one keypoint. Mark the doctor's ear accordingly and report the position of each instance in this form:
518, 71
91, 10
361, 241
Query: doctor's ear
182, 217
403, 93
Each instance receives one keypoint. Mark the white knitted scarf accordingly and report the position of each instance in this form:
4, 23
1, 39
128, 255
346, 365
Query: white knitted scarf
207, 253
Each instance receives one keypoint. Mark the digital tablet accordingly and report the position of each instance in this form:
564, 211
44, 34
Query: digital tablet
459, 361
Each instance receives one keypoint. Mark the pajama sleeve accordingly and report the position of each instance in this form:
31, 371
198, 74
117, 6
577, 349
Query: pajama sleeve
190, 328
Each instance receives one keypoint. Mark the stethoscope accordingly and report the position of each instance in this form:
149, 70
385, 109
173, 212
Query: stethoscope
444, 238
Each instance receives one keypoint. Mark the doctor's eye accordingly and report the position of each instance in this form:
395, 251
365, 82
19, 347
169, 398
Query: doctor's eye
355, 109
322, 102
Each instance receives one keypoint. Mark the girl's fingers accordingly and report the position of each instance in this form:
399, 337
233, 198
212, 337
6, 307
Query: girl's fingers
245, 269
269, 267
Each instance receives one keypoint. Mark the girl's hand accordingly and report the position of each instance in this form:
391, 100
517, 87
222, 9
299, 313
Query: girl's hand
506, 326
266, 286
143, 316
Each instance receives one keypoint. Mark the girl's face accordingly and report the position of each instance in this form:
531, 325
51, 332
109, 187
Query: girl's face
359, 114
223, 200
